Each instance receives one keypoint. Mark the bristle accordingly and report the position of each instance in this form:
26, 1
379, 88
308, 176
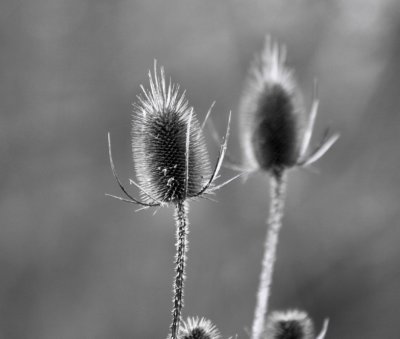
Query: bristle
289, 325
163, 126
271, 113
195, 328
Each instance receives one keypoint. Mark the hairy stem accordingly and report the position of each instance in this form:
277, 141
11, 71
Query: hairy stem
182, 223
277, 201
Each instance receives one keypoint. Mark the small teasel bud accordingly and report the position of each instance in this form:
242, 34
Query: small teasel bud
196, 328
292, 324
169, 150
271, 112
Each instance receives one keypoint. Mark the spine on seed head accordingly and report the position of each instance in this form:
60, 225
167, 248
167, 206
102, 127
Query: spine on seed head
169, 150
271, 112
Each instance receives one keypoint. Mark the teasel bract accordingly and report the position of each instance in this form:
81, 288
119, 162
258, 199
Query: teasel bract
171, 164
275, 137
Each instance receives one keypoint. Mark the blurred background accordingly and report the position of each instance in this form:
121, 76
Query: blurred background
76, 264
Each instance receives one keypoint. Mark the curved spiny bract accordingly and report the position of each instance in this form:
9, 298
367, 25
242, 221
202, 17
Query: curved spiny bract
164, 129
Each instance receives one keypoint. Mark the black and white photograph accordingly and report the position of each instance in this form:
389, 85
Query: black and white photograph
199, 169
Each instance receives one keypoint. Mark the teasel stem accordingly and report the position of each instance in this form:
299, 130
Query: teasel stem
182, 223
274, 222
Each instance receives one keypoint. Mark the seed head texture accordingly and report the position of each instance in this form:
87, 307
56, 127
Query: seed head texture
169, 150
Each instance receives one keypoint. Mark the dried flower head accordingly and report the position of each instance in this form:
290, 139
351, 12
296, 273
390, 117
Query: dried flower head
289, 325
169, 150
275, 134
164, 129
196, 328
172, 166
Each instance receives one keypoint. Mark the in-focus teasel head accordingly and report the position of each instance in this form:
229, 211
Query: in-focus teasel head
275, 132
292, 324
198, 328
164, 129
169, 150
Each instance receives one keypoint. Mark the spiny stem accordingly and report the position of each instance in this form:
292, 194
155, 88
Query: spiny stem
277, 201
182, 223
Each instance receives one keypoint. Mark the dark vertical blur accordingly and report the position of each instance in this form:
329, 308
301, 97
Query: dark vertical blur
74, 264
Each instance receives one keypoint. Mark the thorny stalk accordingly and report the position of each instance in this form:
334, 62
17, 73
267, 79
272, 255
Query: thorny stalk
182, 224
274, 222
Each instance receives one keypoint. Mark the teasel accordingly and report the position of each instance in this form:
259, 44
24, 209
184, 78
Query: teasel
275, 137
198, 328
292, 324
171, 164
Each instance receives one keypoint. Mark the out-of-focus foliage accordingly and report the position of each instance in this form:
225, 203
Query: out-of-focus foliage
75, 264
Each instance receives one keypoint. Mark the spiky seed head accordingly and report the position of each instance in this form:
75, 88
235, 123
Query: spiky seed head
169, 150
198, 328
271, 112
291, 324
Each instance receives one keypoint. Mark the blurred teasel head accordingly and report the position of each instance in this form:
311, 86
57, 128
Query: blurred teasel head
289, 325
196, 328
292, 324
275, 131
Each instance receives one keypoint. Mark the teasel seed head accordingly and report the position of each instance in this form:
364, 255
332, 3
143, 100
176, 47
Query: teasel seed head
198, 328
169, 150
271, 112
292, 324
275, 132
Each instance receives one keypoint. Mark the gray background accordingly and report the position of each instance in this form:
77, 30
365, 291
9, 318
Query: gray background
75, 264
